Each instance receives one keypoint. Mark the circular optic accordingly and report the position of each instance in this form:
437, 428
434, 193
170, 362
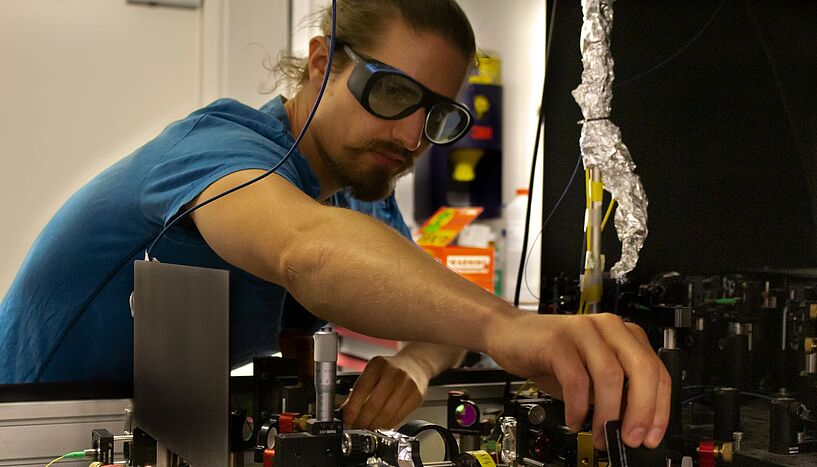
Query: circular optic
271, 437
536, 414
266, 434
466, 415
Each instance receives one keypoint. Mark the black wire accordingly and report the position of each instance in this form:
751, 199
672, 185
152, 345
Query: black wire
279, 163
698, 386
692, 399
781, 93
756, 395
564, 193
550, 215
539, 125
521, 273
549, 39
676, 54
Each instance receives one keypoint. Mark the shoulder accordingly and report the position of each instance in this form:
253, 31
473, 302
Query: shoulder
386, 210
242, 123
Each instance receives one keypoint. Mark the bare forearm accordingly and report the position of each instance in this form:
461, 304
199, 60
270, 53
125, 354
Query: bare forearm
359, 274
345, 266
349, 269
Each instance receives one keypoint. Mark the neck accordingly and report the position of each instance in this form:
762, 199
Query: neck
297, 110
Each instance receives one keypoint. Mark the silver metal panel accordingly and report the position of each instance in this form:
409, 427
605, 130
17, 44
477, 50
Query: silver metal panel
34, 433
181, 359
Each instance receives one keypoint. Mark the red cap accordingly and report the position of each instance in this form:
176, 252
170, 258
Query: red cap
522, 192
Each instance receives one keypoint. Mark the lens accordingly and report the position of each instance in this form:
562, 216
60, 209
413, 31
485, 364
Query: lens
466, 415
392, 94
446, 123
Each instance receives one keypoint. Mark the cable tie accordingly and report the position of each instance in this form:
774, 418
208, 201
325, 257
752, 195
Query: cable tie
588, 120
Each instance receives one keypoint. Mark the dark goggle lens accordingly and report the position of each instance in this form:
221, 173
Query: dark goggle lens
392, 94
446, 123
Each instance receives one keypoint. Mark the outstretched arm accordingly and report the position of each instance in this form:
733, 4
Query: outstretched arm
350, 269
344, 266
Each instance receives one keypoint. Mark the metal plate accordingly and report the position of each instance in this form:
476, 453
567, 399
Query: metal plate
181, 359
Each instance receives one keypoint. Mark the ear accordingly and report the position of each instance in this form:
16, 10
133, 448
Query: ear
317, 60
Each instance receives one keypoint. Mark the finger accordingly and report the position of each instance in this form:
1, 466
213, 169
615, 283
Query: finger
662, 410
638, 332
378, 396
608, 384
550, 385
373, 407
572, 376
388, 416
408, 406
362, 390
641, 367
663, 395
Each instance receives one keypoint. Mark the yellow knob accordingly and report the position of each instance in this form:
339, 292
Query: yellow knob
809, 345
465, 161
726, 452
481, 106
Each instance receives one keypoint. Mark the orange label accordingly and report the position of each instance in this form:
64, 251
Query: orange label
474, 264
443, 227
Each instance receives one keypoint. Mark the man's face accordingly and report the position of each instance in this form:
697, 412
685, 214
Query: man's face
367, 153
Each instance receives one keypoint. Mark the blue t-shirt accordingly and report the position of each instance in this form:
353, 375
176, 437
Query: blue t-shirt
66, 315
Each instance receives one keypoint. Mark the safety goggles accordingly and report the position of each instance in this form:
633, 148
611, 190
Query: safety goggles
388, 93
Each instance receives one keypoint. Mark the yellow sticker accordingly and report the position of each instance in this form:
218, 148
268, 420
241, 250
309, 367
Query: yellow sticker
484, 459
597, 191
593, 294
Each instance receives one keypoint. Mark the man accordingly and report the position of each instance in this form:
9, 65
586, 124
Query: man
66, 315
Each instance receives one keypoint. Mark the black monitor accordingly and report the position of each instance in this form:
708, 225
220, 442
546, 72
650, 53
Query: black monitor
717, 102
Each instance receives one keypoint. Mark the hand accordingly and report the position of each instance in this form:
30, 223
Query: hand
387, 391
585, 359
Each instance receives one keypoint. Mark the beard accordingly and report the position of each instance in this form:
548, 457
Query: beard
378, 181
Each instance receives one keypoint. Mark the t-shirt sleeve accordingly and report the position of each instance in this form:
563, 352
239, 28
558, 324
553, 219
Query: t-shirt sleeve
210, 150
385, 211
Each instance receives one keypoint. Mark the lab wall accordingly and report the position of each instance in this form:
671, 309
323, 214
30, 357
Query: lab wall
85, 82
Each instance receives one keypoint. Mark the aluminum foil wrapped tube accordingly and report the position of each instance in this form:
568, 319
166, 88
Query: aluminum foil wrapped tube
600, 140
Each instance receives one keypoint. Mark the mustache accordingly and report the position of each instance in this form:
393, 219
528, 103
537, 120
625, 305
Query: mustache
383, 146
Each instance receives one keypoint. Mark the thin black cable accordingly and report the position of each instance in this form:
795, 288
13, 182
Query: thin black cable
539, 125
756, 395
279, 163
781, 94
550, 215
521, 273
676, 54
564, 193
548, 43
698, 386
549, 39
692, 399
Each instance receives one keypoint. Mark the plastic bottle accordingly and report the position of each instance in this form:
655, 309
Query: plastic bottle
499, 263
514, 215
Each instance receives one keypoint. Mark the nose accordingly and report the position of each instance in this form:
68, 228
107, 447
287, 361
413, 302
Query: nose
409, 130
